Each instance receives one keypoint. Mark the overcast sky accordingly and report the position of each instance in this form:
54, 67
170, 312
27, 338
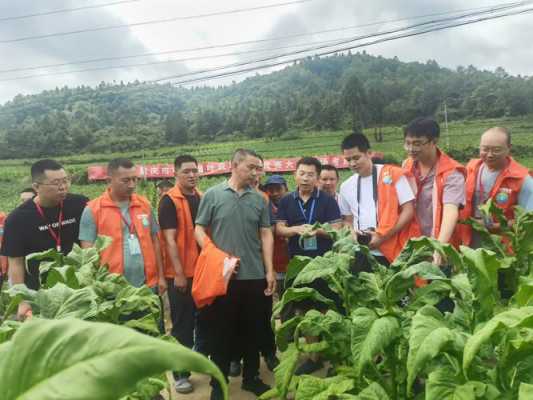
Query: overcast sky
487, 45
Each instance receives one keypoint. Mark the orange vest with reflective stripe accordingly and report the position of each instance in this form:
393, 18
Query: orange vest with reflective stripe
504, 193
109, 222
445, 166
185, 240
3, 259
389, 212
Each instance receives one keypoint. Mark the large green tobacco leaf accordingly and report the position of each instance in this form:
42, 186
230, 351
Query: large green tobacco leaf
503, 322
374, 391
295, 295
329, 267
524, 295
423, 246
445, 384
428, 337
314, 388
284, 372
525, 392
77, 360
285, 332
294, 267
371, 335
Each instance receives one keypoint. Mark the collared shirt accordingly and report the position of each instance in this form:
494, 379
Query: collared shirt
453, 193
235, 220
326, 210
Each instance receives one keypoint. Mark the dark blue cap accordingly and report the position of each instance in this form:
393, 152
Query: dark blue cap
275, 180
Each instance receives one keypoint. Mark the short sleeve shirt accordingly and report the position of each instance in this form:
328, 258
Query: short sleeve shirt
235, 220
167, 211
366, 210
326, 210
453, 193
133, 263
26, 232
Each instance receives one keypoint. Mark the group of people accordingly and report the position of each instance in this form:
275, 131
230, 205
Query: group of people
261, 223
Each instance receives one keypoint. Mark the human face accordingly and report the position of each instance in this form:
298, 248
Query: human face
419, 148
25, 196
53, 186
123, 182
161, 191
187, 176
306, 177
260, 174
359, 161
245, 172
328, 181
276, 192
494, 149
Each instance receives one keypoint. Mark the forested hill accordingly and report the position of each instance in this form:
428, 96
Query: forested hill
341, 91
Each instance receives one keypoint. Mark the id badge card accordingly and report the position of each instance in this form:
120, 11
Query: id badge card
310, 243
134, 245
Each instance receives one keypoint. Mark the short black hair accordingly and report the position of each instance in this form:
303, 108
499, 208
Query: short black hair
240, 154
329, 167
356, 140
422, 127
28, 190
164, 184
310, 161
181, 159
38, 168
117, 163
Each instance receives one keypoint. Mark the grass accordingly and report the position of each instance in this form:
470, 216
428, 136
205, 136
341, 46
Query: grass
462, 136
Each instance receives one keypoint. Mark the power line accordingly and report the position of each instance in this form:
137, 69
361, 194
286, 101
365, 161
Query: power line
65, 10
341, 42
155, 21
401, 36
102, 59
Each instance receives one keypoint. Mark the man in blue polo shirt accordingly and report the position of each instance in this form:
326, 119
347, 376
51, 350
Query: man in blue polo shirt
300, 209
297, 212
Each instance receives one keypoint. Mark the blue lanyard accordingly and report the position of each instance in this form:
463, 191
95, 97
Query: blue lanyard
311, 213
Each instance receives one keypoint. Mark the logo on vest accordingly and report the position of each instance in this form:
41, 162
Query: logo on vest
144, 219
503, 196
387, 179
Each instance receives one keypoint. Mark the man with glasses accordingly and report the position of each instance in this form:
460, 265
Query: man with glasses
49, 220
127, 218
497, 176
439, 181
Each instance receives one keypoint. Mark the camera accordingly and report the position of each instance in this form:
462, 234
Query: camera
364, 237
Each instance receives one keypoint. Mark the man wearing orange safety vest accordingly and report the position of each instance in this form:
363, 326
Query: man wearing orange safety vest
127, 218
177, 213
439, 182
3, 259
497, 176
376, 202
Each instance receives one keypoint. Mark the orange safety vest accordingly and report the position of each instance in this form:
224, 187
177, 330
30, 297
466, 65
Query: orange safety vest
185, 240
445, 166
389, 212
3, 259
505, 191
109, 222
208, 282
281, 250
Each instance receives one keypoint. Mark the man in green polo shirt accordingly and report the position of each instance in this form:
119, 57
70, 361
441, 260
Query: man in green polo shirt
239, 222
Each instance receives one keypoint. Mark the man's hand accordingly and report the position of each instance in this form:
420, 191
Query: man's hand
301, 229
24, 311
162, 285
180, 282
438, 259
271, 283
376, 240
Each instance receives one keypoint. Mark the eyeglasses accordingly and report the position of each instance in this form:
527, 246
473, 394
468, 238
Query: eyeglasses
494, 150
57, 183
415, 145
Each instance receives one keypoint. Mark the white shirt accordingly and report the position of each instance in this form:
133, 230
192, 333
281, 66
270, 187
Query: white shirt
348, 199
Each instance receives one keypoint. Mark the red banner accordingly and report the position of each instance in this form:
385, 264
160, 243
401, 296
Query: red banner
210, 168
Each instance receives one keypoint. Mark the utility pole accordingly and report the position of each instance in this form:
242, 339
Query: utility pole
446, 126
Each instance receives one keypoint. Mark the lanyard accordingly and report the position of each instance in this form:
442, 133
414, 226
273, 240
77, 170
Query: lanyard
482, 187
420, 183
311, 212
131, 226
55, 236
374, 194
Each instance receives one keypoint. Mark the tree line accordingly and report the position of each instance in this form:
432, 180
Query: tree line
344, 91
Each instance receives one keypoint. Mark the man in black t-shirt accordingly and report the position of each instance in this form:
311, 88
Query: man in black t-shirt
49, 220
177, 213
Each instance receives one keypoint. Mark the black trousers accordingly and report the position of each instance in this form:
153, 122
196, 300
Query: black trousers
236, 319
182, 315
